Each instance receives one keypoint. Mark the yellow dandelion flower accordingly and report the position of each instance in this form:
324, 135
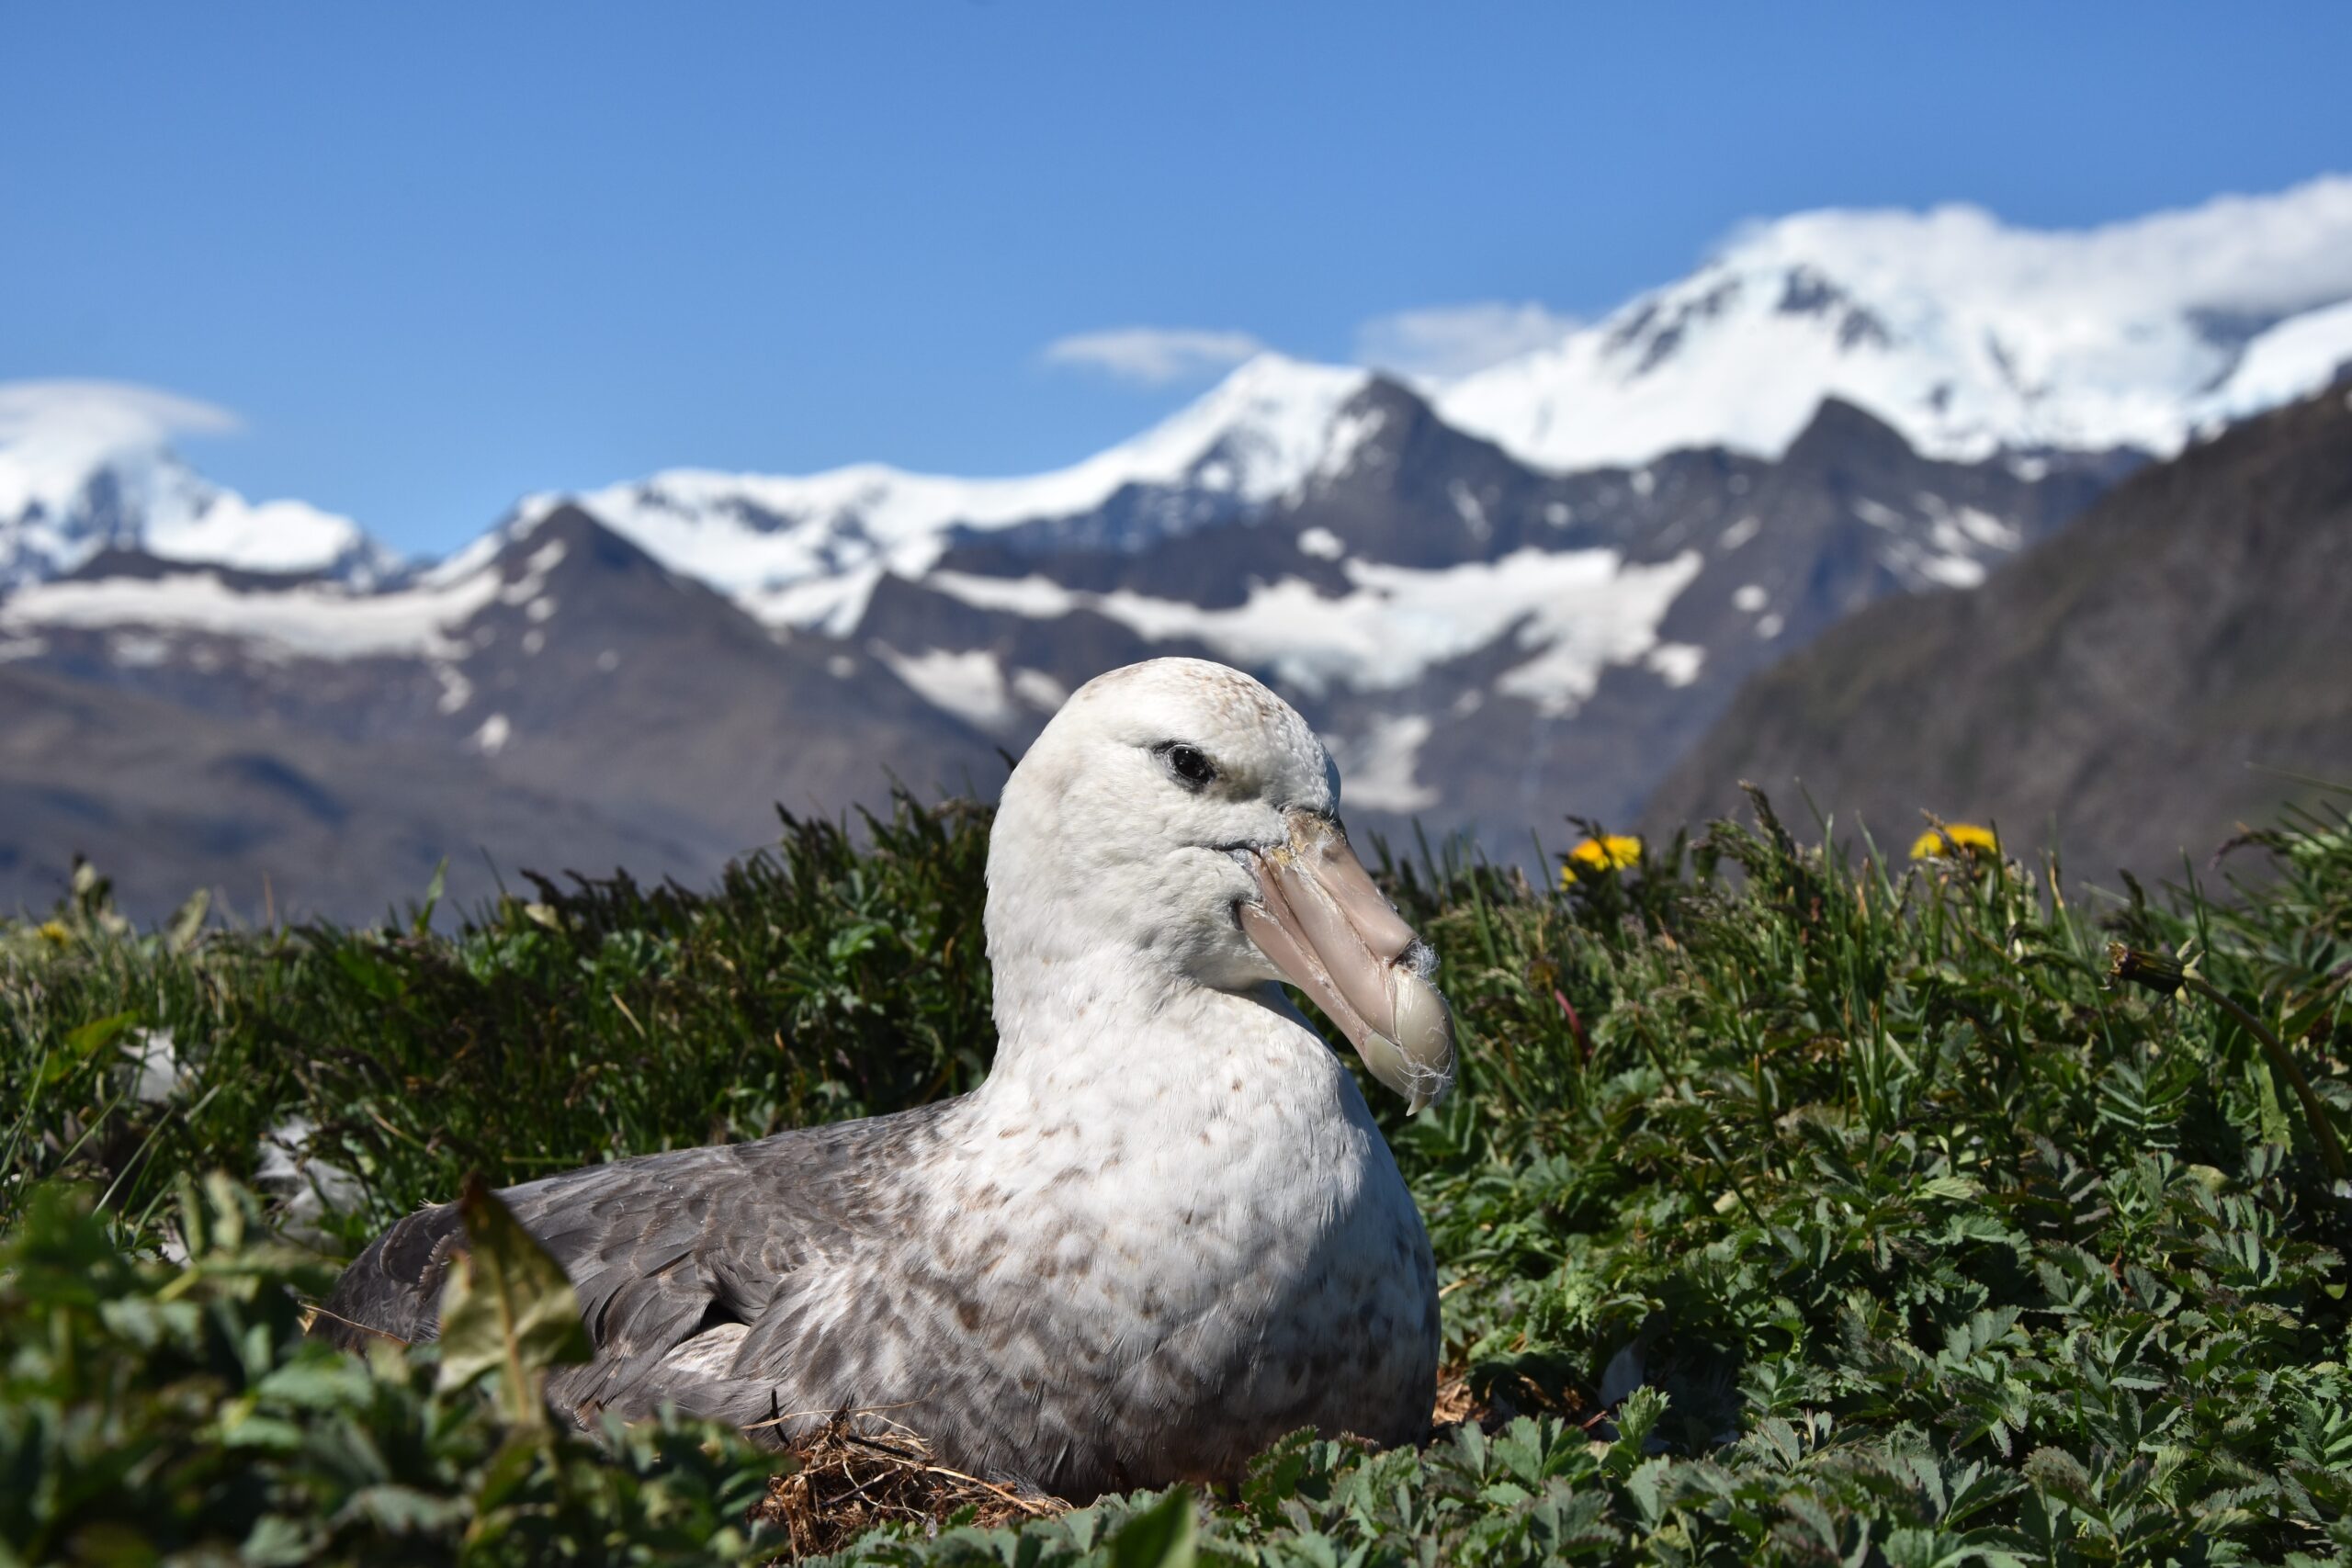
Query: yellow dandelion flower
1611, 852
54, 930
1954, 839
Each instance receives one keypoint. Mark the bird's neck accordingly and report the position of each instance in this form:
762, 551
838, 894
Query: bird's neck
1121, 1035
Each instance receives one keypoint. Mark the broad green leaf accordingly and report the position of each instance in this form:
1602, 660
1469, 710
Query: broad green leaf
318, 1383
276, 1538
85, 1041
1636, 1419
1158, 1537
2270, 1107
507, 1308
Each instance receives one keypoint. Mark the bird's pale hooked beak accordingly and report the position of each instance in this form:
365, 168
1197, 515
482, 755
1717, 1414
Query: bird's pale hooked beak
1321, 921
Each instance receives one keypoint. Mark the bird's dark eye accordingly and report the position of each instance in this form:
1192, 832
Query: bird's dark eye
1190, 766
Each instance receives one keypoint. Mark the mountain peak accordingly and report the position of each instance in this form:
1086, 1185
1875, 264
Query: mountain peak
87, 466
1968, 335
2168, 666
1843, 432
808, 549
574, 525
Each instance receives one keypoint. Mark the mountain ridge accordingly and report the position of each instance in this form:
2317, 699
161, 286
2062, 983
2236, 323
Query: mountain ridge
2146, 682
1582, 626
87, 466
1487, 642
1971, 338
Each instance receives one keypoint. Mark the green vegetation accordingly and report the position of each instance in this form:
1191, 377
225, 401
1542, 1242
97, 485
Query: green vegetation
1893, 1227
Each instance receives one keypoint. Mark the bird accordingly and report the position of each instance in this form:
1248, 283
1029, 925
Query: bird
1161, 1232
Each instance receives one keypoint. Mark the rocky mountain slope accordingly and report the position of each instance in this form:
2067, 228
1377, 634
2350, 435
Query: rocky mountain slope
1505, 600
2177, 663
564, 683
171, 800
1487, 646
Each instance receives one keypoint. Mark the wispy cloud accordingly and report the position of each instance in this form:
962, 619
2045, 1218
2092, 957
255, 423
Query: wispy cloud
1153, 357
53, 433
2260, 255
104, 413
1442, 343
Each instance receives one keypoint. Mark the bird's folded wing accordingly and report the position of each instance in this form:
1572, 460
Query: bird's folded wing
660, 1249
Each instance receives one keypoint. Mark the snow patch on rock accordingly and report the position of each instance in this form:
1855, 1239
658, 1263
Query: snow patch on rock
1576, 612
1378, 765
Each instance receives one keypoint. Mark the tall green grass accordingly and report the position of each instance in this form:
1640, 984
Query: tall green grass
1795, 1205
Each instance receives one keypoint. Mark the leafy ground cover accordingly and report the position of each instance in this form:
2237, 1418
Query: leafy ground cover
1795, 1206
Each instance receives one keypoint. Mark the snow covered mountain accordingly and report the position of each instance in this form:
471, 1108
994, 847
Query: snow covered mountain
807, 551
1318, 524
1971, 339
1506, 599
1968, 336
2163, 674
1486, 645
87, 466
618, 712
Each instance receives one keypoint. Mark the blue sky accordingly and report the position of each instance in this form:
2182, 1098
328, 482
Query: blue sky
436, 256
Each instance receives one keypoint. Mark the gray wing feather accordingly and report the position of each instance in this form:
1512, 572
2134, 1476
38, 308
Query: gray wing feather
393, 1290
658, 1248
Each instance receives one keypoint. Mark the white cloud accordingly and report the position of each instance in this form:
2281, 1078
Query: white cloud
1153, 357
2274, 254
1442, 343
53, 433
110, 414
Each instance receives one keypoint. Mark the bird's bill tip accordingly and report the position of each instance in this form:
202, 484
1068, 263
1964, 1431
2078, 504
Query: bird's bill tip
1322, 923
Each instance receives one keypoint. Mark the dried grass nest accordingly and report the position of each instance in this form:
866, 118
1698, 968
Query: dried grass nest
859, 1470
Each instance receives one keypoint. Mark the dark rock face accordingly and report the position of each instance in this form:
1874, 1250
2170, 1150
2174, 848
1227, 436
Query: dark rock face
170, 800
597, 712
2145, 682
1775, 553
568, 700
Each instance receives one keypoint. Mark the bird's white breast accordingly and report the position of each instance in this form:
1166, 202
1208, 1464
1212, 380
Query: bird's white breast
1211, 1225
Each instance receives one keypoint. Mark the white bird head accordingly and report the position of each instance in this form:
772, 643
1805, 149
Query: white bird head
1180, 815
